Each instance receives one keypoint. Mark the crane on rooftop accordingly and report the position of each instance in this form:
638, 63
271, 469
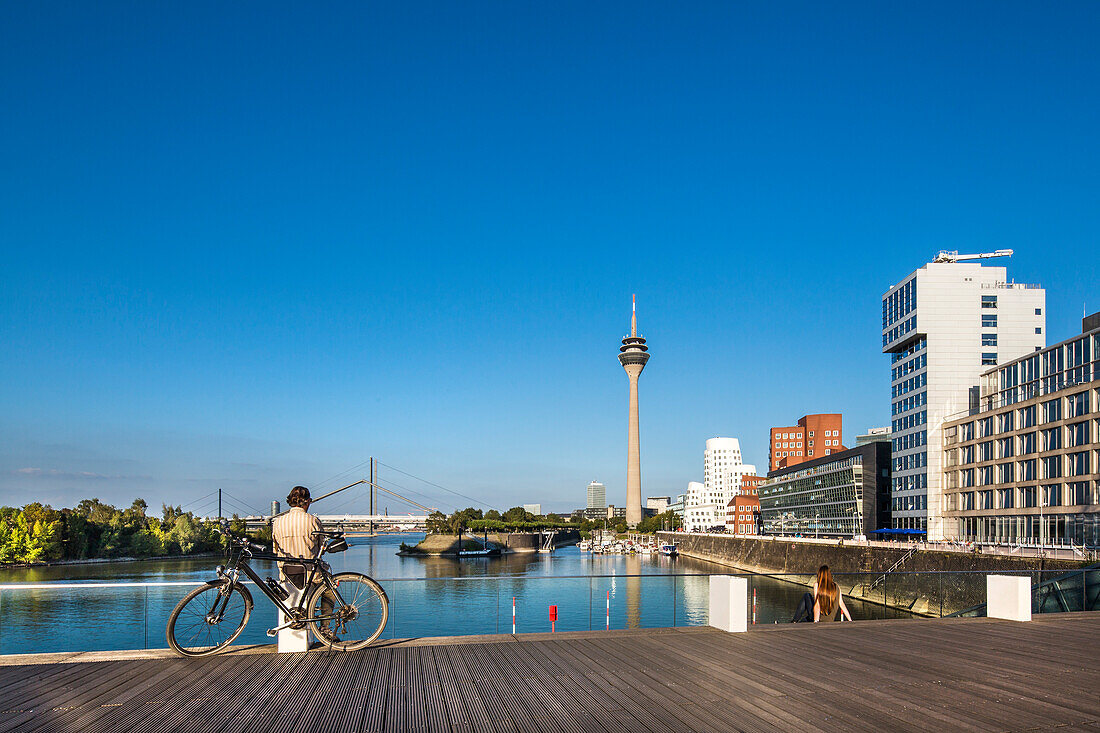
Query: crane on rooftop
954, 256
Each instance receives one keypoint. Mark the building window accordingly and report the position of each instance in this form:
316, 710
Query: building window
1038, 329
1052, 410
989, 320
989, 339
1052, 495
989, 358
1038, 311
1027, 497
989, 301
1077, 404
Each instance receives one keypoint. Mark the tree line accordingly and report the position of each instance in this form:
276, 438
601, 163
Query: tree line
518, 519
94, 530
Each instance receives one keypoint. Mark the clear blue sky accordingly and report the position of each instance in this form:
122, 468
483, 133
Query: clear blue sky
249, 245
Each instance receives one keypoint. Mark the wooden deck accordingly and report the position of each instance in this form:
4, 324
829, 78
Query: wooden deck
909, 675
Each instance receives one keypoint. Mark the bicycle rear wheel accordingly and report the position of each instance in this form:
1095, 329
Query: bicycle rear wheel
206, 621
359, 611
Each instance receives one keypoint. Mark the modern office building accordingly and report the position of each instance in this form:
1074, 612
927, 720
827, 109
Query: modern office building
633, 355
845, 494
597, 496
814, 436
274, 507
677, 507
874, 435
943, 326
1023, 466
535, 509
723, 474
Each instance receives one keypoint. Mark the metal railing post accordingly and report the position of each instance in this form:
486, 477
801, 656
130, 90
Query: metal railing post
146, 617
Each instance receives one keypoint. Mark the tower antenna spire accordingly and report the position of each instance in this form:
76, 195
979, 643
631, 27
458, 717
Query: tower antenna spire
633, 315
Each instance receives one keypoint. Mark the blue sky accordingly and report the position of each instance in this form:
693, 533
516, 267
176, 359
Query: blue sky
248, 246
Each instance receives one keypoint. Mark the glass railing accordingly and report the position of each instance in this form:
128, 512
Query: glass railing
76, 617
1056, 592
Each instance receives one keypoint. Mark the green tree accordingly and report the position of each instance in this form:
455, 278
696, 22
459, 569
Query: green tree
493, 514
437, 523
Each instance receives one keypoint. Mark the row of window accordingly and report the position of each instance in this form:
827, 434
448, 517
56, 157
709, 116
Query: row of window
1048, 371
910, 503
915, 482
1073, 435
910, 441
1072, 493
1081, 463
909, 403
1054, 410
899, 303
909, 421
910, 462
900, 330
909, 385
918, 362
911, 348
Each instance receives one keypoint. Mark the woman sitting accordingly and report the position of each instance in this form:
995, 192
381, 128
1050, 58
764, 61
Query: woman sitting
827, 597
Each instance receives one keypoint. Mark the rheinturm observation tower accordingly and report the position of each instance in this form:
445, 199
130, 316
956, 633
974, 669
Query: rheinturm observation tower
633, 355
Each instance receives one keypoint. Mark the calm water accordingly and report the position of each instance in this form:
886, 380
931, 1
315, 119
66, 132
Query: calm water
428, 596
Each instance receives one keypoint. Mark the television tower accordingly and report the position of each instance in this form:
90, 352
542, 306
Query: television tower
633, 355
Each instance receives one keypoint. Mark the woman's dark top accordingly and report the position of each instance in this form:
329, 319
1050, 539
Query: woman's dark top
836, 608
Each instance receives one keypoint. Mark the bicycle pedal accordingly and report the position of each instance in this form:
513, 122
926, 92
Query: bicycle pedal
272, 633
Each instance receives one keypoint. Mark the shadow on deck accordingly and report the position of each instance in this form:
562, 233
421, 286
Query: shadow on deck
907, 675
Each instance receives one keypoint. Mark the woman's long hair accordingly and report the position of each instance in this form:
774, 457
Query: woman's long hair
827, 590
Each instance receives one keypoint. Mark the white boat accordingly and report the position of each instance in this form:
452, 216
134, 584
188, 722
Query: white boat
668, 550
583, 546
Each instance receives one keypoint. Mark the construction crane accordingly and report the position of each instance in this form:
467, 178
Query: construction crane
945, 256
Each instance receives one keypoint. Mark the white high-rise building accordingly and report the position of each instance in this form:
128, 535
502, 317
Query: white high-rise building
943, 326
705, 504
597, 496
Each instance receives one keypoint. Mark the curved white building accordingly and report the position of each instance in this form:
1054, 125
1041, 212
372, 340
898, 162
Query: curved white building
723, 470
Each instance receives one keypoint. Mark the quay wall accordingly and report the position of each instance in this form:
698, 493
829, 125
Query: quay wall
926, 594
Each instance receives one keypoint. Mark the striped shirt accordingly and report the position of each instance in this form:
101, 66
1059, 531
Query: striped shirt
291, 533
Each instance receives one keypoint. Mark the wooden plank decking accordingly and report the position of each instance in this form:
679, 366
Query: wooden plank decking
911, 675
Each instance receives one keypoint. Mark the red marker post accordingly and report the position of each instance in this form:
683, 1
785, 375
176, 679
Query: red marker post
553, 617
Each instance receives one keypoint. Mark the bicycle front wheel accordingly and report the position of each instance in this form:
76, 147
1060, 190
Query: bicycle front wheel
353, 616
208, 619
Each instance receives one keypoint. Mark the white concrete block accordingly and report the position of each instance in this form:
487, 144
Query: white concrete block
1008, 597
729, 603
292, 640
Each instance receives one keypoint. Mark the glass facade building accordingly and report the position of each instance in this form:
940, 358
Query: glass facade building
842, 495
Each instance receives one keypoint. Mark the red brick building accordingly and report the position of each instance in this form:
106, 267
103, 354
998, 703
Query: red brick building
743, 515
751, 484
815, 436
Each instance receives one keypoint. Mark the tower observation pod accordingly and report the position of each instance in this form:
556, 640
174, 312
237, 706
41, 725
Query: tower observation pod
633, 355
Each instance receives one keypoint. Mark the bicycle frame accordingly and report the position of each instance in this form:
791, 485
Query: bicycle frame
314, 565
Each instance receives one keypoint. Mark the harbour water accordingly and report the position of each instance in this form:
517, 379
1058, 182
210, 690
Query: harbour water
431, 596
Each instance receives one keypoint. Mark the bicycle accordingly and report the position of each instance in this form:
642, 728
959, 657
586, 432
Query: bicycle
346, 611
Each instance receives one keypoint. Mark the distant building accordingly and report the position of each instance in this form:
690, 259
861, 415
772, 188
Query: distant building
615, 512
595, 513
723, 471
658, 503
743, 515
597, 496
943, 325
845, 494
873, 435
677, 507
1023, 466
535, 509
814, 436
274, 507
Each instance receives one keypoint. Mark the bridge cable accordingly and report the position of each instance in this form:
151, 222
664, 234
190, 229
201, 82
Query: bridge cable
444, 488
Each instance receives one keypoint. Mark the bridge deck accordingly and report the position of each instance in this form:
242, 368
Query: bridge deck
946, 674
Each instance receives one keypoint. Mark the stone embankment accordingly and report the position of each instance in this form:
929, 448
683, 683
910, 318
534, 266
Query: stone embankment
926, 581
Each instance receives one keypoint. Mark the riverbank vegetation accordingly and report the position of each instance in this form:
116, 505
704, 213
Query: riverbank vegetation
517, 519
94, 530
